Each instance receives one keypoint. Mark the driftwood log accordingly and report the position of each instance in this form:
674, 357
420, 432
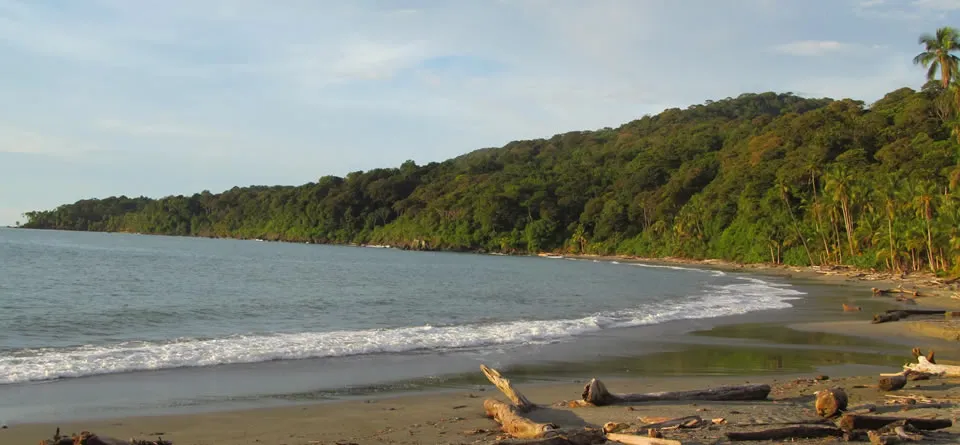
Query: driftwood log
850, 422
918, 353
925, 366
898, 290
583, 436
595, 393
88, 438
682, 422
513, 423
893, 382
793, 432
504, 385
630, 439
831, 402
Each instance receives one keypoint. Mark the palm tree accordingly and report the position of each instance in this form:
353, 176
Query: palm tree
924, 193
838, 183
937, 54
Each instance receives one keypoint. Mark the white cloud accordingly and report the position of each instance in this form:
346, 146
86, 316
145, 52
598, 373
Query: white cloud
813, 47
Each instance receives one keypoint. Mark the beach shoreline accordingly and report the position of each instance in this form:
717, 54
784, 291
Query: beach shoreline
448, 416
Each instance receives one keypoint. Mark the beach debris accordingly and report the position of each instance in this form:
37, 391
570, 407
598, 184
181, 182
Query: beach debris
656, 434
791, 432
680, 422
898, 290
613, 427
894, 433
830, 402
595, 393
504, 385
892, 382
513, 422
631, 439
927, 367
900, 314
849, 308
850, 422
888, 317
916, 352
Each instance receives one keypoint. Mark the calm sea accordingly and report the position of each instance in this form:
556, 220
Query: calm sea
185, 318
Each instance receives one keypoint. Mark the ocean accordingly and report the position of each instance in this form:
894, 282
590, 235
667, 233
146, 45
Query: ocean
95, 324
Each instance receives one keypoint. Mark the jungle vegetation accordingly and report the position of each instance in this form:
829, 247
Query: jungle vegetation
758, 178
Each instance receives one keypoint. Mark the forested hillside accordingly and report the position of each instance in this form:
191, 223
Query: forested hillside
757, 178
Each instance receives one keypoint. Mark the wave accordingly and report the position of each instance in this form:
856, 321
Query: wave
42, 364
716, 273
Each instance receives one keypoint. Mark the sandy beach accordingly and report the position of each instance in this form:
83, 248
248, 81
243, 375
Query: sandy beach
457, 416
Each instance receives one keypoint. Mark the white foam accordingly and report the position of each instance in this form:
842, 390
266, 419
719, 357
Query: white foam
747, 295
716, 273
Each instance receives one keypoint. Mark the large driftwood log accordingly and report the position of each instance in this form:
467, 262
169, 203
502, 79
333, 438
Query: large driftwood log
923, 365
513, 423
793, 432
504, 385
831, 402
850, 422
630, 439
596, 393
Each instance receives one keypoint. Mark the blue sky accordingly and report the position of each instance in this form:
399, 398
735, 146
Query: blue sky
110, 97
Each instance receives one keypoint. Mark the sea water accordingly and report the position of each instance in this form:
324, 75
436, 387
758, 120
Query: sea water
182, 318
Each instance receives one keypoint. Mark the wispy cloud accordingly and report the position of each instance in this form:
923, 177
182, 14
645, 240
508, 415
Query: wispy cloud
154, 129
813, 47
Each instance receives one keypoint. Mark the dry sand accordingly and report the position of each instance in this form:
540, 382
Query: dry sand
457, 418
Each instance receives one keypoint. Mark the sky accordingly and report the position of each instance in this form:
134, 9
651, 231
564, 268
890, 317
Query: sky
166, 97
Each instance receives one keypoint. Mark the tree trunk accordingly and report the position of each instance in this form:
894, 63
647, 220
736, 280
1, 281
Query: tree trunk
596, 393
893, 250
796, 227
933, 266
848, 223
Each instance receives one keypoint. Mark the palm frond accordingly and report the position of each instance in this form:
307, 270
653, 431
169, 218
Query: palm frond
925, 58
934, 69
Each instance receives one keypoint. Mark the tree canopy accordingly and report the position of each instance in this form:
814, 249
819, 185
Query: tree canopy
758, 178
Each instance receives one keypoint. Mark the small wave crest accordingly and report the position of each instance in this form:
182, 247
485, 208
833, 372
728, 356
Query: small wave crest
42, 364
716, 273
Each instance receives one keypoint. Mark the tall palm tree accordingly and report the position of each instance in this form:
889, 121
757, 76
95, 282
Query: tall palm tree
937, 54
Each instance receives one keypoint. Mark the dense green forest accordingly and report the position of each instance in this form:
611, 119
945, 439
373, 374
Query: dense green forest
757, 178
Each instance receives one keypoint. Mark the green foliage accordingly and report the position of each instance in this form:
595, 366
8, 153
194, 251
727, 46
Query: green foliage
758, 178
